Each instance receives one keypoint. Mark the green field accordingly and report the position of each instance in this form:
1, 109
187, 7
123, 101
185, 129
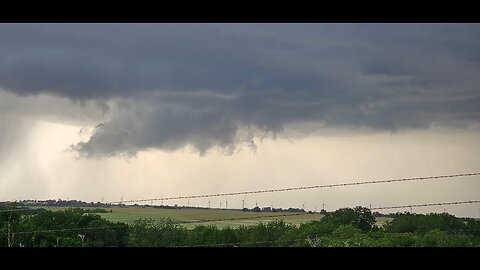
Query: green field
132, 213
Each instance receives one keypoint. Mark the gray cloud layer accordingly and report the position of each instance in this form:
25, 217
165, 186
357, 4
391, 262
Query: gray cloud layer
175, 85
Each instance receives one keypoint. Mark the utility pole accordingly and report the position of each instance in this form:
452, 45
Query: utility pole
303, 206
243, 204
323, 205
208, 204
121, 201
226, 204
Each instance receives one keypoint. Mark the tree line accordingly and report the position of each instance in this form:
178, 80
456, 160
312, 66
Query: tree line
346, 227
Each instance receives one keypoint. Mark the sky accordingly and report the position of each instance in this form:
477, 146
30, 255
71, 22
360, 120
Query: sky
104, 111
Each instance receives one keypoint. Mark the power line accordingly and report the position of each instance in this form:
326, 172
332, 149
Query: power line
302, 188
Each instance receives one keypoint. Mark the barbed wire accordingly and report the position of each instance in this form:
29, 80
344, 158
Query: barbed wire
298, 188
266, 190
424, 205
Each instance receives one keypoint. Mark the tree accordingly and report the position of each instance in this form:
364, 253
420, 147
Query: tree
163, 233
418, 223
360, 217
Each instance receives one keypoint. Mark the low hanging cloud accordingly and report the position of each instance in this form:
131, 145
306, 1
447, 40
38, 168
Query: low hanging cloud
206, 85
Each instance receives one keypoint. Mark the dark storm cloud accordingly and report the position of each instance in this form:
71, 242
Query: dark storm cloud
200, 85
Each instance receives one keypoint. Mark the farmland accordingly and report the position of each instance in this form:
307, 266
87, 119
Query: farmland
131, 213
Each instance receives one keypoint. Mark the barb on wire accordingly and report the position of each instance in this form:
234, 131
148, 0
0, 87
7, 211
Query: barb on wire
425, 205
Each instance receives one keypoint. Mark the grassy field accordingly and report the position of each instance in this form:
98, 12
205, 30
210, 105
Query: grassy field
132, 213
